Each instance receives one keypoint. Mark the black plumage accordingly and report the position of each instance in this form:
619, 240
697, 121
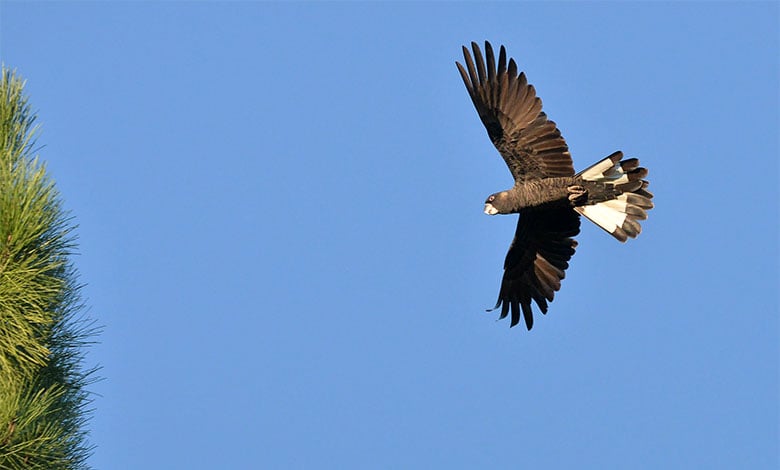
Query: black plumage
548, 196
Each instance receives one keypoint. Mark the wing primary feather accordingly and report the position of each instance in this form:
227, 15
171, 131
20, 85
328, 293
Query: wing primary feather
527, 315
542, 304
472, 71
480, 62
502, 61
522, 93
516, 313
508, 95
491, 62
501, 77
512, 71
466, 80
504, 310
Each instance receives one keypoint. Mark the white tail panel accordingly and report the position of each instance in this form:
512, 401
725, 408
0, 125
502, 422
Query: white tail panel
604, 216
619, 216
605, 169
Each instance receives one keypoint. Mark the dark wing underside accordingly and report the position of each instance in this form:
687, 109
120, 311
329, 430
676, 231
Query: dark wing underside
536, 261
531, 144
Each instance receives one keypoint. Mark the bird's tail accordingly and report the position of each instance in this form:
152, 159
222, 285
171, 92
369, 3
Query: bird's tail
617, 195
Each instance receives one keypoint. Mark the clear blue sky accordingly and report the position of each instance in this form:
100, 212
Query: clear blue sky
281, 228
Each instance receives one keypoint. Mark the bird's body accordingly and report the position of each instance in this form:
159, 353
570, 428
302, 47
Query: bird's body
547, 193
535, 193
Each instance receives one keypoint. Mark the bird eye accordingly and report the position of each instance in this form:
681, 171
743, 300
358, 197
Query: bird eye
491, 198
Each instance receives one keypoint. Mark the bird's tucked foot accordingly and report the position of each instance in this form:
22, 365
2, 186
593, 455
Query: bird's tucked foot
578, 195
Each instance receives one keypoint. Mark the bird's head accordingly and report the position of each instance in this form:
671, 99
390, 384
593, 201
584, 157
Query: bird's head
498, 203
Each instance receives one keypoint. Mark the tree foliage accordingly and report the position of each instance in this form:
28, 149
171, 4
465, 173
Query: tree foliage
44, 403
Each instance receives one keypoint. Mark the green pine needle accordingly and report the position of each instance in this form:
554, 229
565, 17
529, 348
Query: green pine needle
43, 398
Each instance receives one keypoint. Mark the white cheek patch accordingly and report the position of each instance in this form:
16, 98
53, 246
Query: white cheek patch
490, 210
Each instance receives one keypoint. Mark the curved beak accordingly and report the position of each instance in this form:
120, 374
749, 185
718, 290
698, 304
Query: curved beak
490, 210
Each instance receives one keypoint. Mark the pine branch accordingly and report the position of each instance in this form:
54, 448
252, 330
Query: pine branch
43, 397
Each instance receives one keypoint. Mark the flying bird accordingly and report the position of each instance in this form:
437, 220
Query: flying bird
548, 196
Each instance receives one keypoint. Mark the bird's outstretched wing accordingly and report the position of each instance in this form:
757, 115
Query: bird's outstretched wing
531, 144
536, 261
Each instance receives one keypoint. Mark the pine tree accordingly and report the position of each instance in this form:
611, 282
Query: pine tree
44, 404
